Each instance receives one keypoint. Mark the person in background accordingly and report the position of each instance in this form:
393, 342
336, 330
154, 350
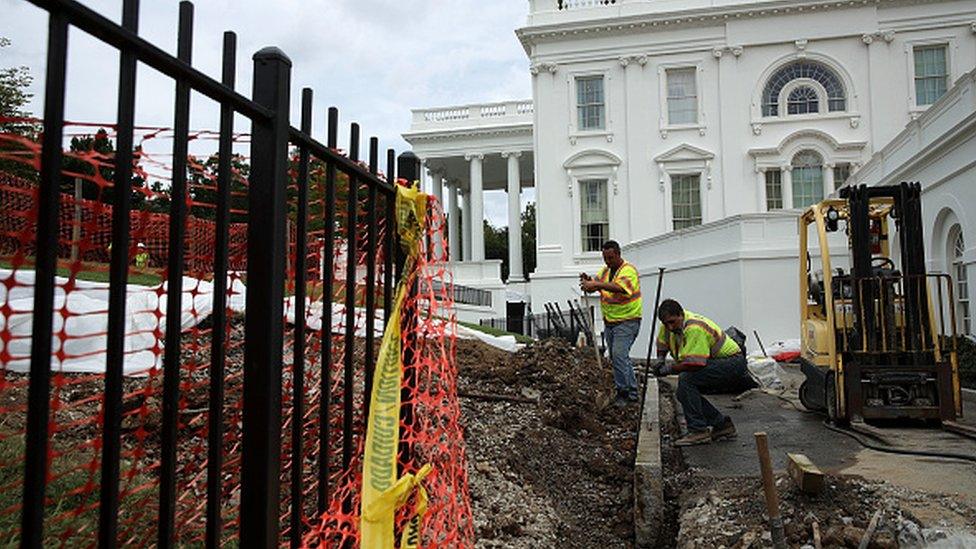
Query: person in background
621, 306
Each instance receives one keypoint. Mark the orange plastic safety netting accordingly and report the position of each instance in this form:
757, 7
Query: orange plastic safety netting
430, 431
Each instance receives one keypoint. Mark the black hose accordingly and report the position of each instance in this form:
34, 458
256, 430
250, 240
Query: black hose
904, 451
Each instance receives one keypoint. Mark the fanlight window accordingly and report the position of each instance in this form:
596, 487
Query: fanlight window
803, 99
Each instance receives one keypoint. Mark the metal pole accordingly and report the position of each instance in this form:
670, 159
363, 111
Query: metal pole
39, 390
174, 290
118, 280
264, 322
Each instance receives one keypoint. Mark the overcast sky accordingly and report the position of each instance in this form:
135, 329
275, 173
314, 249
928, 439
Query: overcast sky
374, 59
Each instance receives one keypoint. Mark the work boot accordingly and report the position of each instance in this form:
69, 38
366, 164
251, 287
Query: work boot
694, 438
727, 430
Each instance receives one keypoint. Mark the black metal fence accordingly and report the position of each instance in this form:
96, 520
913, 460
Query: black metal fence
567, 324
268, 111
466, 295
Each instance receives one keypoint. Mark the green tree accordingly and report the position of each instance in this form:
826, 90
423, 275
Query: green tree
496, 245
14, 97
202, 188
528, 239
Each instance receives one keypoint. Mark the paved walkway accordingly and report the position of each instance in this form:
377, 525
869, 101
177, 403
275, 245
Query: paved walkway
791, 430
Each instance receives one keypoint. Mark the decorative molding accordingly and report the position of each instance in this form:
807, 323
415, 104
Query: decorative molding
701, 131
551, 67
534, 69
642, 59
717, 53
569, 185
624, 61
664, 134
708, 174
609, 138
616, 190
757, 128
888, 36
800, 45
470, 156
572, 140
855, 121
972, 27
661, 172
867, 39
516, 154
736, 50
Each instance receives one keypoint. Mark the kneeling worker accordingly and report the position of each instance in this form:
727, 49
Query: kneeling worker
705, 359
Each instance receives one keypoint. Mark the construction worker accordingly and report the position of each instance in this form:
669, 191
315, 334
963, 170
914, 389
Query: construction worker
142, 256
706, 358
621, 306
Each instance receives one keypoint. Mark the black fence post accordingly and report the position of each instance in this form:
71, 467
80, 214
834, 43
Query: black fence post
174, 283
264, 323
118, 278
39, 390
218, 358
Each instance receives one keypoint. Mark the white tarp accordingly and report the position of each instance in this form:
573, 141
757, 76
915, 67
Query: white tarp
81, 321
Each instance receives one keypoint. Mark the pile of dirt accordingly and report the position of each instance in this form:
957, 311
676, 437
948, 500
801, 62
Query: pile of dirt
552, 466
731, 512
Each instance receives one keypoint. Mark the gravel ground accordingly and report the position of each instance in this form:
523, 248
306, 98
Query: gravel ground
555, 467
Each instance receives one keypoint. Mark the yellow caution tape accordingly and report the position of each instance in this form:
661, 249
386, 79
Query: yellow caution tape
382, 492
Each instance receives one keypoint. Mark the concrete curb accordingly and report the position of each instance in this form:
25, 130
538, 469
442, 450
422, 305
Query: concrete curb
648, 472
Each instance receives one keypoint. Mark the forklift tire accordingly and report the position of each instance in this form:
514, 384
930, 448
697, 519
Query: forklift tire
808, 398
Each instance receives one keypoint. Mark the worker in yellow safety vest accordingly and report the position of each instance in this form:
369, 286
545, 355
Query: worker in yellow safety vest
621, 306
706, 359
142, 256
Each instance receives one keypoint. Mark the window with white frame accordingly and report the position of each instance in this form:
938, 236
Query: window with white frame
686, 207
821, 90
594, 215
807, 174
931, 73
682, 96
590, 103
959, 272
774, 190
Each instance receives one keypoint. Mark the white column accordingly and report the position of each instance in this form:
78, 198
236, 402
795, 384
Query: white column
453, 218
828, 179
477, 208
514, 218
437, 184
787, 182
466, 225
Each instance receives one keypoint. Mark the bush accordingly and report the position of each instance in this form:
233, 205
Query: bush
967, 362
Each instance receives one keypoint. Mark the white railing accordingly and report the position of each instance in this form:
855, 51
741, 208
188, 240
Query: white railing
480, 114
442, 115
580, 4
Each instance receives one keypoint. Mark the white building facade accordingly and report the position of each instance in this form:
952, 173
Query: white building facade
693, 131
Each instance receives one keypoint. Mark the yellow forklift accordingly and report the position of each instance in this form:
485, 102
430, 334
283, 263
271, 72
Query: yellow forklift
878, 341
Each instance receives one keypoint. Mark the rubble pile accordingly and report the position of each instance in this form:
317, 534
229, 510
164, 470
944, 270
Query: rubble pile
731, 513
552, 465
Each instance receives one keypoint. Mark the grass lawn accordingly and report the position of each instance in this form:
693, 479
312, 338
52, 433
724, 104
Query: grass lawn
496, 332
92, 272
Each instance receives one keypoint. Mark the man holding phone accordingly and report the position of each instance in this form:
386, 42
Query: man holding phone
621, 306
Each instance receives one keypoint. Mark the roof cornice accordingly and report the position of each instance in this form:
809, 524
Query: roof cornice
703, 16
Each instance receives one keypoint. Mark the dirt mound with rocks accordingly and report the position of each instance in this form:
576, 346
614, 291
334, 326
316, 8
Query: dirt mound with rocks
551, 457
731, 513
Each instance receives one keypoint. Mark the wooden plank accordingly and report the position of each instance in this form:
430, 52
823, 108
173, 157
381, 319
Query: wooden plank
807, 476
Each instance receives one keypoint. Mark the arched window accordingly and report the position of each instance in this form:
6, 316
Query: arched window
956, 248
833, 95
807, 176
802, 100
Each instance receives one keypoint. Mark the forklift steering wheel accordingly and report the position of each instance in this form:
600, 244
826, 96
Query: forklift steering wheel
882, 262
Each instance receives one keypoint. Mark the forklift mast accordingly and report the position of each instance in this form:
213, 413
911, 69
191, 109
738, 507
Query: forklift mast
907, 212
